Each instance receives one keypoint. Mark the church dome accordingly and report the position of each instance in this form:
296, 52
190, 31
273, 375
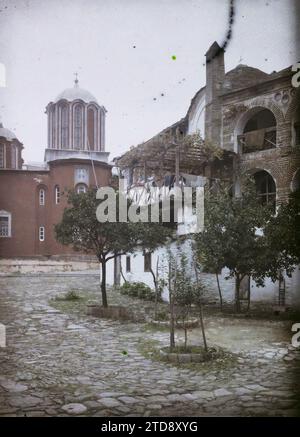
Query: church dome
76, 122
76, 93
6, 133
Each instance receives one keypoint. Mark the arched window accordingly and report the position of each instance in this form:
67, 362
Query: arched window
297, 127
2, 156
81, 188
78, 127
42, 233
57, 194
42, 196
53, 127
259, 132
5, 224
65, 127
265, 187
295, 186
13, 156
91, 128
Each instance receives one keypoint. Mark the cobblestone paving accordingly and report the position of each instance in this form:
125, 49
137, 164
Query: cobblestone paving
59, 364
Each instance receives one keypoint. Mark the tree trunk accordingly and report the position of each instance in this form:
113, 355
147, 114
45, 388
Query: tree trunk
156, 291
103, 284
219, 290
185, 337
237, 293
202, 328
172, 324
122, 274
200, 312
249, 297
172, 321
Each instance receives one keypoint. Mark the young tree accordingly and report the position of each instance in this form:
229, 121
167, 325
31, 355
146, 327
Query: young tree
81, 229
231, 233
185, 291
197, 300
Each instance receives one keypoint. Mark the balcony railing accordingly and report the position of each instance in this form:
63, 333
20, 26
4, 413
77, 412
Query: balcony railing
266, 139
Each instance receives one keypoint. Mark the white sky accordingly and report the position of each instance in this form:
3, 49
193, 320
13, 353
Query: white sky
42, 44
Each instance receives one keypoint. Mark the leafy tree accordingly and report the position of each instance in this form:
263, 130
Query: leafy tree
233, 235
283, 232
81, 229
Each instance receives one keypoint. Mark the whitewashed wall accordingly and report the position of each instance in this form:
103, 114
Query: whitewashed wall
268, 293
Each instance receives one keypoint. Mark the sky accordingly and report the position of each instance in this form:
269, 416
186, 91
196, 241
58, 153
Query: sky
123, 51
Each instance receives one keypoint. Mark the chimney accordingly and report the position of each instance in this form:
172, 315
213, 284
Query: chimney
215, 72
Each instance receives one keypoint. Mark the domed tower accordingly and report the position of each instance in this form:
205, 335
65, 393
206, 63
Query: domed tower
76, 126
10, 150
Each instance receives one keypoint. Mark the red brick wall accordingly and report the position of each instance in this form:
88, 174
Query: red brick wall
19, 195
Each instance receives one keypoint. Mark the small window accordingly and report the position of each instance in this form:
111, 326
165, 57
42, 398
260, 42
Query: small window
128, 264
42, 233
42, 196
147, 262
81, 188
57, 194
5, 224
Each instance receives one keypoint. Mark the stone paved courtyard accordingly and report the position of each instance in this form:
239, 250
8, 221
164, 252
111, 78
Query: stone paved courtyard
61, 363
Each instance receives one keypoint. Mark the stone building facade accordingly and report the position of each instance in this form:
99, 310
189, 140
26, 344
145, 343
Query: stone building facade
33, 197
254, 117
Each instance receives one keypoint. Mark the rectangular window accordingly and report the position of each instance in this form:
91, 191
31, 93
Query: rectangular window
4, 226
42, 233
2, 163
147, 262
128, 264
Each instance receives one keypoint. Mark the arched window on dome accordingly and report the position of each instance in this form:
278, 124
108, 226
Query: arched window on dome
91, 128
2, 156
53, 126
78, 127
65, 127
13, 150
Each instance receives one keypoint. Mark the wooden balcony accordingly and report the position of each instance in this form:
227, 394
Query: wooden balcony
266, 139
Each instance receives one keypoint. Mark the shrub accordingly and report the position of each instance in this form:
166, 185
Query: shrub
162, 316
70, 295
137, 289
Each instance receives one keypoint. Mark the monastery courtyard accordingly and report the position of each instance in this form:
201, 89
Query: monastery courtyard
60, 361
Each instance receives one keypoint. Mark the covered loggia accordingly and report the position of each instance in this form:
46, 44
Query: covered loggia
258, 131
